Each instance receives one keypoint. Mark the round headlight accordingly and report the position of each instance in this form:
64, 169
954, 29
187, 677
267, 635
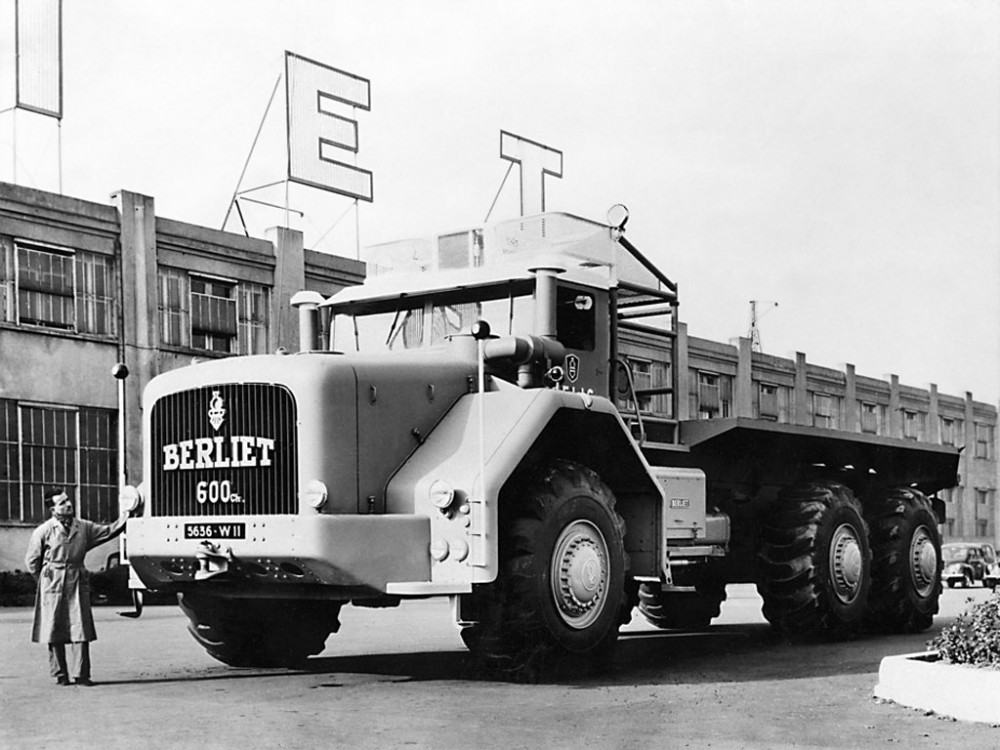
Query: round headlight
441, 493
314, 494
129, 499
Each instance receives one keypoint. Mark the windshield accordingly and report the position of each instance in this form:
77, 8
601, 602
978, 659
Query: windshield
428, 322
954, 554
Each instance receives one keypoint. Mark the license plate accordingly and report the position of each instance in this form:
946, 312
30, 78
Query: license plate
215, 531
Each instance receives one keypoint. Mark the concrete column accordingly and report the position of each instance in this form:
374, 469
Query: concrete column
851, 407
933, 419
800, 397
967, 471
743, 390
970, 425
895, 408
139, 339
682, 377
969, 452
289, 278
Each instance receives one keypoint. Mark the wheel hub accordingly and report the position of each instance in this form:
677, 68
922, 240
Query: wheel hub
923, 561
846, 564
580, 574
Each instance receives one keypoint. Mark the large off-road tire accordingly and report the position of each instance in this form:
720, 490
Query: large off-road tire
814, 562
693, 610
260, 632
560, 594
906, 561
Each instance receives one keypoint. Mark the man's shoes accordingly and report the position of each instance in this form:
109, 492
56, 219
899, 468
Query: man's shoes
62, 680
84, 681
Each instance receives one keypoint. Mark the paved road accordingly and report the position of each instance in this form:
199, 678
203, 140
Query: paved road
400, 678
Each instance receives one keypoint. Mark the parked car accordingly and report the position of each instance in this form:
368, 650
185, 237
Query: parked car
110, 586
992, 577
966, 564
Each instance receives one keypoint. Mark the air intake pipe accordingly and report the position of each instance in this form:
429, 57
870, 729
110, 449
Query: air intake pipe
533, 356
307, 303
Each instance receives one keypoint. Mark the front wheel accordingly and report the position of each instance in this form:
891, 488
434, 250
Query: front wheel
259, 632
561, 590
814, 562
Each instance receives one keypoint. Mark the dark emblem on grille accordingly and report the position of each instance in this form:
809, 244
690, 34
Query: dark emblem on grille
216, 411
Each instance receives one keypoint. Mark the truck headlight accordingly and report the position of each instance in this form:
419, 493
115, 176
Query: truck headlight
129, 499
314, 494
441, 493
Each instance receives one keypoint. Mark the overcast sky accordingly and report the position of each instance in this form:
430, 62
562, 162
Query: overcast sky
840, 158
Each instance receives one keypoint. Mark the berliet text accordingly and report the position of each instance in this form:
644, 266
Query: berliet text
237, 451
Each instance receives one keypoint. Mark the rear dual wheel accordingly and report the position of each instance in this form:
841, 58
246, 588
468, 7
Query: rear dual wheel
684, 610
906, 562
815, 562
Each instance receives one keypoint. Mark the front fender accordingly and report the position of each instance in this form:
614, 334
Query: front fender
475, 449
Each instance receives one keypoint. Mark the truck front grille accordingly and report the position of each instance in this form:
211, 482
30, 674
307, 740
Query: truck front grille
224, 450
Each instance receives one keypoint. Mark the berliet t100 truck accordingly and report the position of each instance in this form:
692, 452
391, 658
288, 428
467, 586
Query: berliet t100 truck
466, 424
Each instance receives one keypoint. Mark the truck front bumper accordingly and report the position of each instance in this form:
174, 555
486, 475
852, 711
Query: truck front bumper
351, 552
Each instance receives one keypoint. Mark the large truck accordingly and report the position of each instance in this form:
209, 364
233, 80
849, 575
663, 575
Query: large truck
469, 423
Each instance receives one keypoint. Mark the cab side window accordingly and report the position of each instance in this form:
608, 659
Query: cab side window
575, 319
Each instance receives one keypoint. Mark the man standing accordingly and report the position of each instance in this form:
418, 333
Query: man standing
62, 602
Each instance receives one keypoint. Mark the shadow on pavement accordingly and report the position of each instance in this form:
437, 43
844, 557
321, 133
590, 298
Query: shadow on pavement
642, 657
667, 657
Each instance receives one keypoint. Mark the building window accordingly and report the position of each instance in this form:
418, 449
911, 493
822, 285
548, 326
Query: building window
98, 495
649, 376
42, 445
982, 497
772, 402
913, 425
948, 431
982, 527
984, 440
174, 304
712, 395
706, 395
826, 410
950, 527
252, 314
57, 288
642, 378
768, 402
211, 314
45, 288
95, 296
10, 462
870, 418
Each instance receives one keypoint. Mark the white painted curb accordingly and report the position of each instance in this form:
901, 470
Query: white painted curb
956, 690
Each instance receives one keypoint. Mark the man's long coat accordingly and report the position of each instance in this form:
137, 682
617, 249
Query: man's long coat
62, 600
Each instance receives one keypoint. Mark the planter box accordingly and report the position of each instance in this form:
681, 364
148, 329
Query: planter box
956, 690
